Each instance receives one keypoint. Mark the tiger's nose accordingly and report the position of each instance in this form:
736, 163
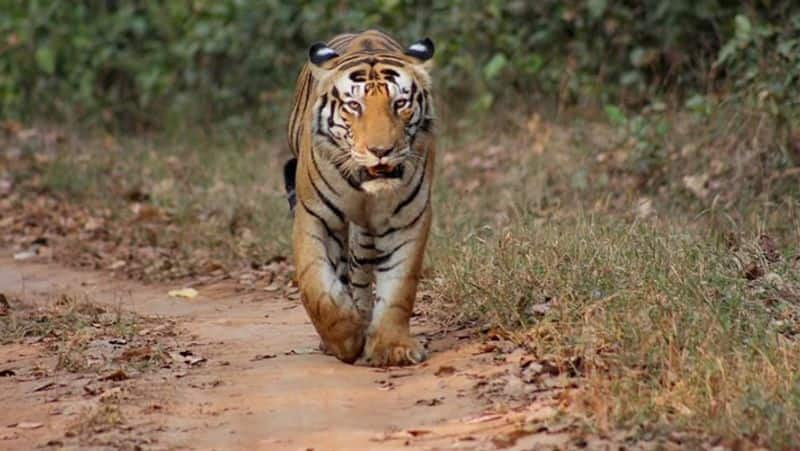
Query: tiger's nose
380, 151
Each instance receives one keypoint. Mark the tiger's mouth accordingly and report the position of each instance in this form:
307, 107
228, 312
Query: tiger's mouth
382, 171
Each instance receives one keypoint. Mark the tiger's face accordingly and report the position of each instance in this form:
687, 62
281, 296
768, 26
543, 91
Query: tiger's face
369, 112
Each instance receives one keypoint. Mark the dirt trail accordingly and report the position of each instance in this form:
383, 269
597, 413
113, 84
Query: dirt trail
298, 399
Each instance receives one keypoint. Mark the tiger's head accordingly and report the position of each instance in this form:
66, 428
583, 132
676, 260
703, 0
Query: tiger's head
371, 108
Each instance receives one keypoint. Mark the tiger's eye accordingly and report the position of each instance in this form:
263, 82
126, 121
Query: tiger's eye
400, 103
353, 105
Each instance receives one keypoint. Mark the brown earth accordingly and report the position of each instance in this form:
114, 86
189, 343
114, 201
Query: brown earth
245, 373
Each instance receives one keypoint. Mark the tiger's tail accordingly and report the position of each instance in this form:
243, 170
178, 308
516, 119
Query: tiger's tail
289, 174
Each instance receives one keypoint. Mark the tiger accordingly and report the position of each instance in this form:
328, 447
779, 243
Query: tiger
359, 185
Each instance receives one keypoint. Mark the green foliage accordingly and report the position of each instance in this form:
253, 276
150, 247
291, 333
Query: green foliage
200, 60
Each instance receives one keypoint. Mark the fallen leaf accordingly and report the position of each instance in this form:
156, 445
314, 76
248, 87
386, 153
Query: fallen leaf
44, 387
263, 357
429, 402
5, 307
146, 213
417, 432
509, 439
753, 271
9, 436
111, 394
400, 435
91, 390
188, 293
445, 370
539, 309
484, 418
544, 413
697, 184
399, 375
769, 247
118, 375
136, 354
25, 255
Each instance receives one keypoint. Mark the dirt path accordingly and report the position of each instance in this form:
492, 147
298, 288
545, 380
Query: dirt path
263, 384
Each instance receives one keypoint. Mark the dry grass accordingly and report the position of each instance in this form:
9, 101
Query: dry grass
85, 337
67, 316
102, 418
679, 308
676, 299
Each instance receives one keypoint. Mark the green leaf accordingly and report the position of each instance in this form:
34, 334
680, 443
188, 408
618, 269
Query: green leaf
596, 8
697, 103
615, 115
743, 27
494, 66
46, 60
534, 63
484, 102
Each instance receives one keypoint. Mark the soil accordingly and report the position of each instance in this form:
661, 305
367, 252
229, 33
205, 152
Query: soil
246, 373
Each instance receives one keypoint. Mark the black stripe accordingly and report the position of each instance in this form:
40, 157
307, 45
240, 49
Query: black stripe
426, 125
390, 267
381, 259
392, 62
358, 76
326, 201
391, 230
333, 110
359, 285
324, 246
415, 192
321, 175
320, 110
373, 260
350, 181
354, 63
325, 225
329, 137
340, 42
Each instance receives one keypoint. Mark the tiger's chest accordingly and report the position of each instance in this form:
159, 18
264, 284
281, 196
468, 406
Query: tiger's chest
374, 211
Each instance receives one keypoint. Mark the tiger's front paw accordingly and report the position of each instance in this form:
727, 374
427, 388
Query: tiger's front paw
384, 349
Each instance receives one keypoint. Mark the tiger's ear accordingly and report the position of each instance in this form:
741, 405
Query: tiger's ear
320, 55
422, 51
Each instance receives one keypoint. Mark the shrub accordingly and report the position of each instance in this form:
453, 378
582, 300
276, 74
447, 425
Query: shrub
144, 61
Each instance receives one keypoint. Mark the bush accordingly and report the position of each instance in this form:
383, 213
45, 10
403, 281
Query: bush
146, 61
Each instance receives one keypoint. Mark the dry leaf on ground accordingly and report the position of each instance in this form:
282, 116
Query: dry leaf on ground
187, 293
